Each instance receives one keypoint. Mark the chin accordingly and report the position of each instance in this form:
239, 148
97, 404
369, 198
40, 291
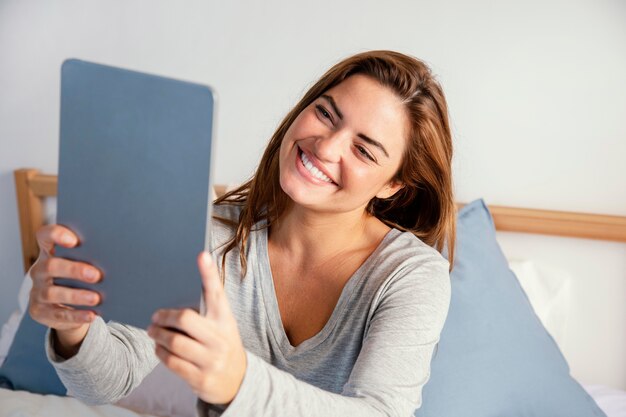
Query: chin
298, 193
294, 191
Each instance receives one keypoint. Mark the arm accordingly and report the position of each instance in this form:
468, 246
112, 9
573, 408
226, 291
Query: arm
112, 360
392, 367
105, 363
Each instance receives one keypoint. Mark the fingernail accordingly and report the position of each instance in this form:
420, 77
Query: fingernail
155, 316
91, 273
67, 239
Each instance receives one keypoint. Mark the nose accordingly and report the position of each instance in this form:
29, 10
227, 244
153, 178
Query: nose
332, 147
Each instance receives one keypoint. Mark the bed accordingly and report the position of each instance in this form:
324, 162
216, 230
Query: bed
162, 394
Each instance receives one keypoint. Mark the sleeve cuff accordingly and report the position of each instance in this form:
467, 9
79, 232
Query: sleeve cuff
88, 348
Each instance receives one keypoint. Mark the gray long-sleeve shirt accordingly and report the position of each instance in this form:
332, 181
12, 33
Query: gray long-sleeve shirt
372, 357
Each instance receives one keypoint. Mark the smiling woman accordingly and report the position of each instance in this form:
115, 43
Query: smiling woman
331, 292
394, 96
327, 142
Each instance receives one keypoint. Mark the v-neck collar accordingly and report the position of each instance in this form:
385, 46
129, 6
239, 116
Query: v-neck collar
268, 292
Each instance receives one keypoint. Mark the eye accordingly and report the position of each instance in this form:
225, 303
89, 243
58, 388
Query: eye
321, 110
364, 152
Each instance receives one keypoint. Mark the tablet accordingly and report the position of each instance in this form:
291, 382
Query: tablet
134, 184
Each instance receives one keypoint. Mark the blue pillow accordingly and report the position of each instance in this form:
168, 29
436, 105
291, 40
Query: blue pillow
494, 357
26, 367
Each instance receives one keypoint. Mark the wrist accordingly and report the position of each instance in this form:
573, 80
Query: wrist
241, 375
66, 343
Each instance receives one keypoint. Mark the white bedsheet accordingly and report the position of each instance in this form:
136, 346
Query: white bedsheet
25, 404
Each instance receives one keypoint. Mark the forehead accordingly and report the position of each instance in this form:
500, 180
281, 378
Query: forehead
373, 110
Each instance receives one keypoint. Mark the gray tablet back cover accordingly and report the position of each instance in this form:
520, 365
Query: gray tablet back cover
134, 183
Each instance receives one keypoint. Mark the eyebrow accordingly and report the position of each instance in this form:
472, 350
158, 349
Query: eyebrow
333, 104
361, 135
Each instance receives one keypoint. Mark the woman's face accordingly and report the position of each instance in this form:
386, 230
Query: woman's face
345, 147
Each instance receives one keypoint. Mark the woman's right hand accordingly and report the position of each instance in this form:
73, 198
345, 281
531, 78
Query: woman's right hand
48, 301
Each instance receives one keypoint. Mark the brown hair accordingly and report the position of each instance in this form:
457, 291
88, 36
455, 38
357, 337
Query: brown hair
424, 206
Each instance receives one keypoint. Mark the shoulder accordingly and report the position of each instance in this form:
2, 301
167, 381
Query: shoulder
410, 269
405, 251
223, 224
227, 211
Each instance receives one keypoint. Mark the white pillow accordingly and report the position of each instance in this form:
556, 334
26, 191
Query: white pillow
162, 393
549, 291
7, 334
611, 400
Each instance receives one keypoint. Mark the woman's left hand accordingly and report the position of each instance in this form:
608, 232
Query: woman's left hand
204, 350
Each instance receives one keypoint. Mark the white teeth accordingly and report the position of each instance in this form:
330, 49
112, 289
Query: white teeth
313, 170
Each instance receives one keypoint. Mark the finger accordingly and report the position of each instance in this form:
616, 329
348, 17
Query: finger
60, 317
187, 321
186, 370
180, 345
54, 234
56, 294
214, 296
64, 268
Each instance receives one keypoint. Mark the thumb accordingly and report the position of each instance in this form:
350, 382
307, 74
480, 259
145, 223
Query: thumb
213, 290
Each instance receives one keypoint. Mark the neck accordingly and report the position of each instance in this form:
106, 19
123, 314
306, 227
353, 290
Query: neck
301, 233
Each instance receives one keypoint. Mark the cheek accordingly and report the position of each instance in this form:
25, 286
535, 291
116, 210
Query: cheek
356, 175
286, 163
367, 179
293, 133
359, 173
282, 152
286, 147
364, 171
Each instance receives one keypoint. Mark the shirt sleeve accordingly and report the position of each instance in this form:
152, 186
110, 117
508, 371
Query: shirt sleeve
112, 360
391, 369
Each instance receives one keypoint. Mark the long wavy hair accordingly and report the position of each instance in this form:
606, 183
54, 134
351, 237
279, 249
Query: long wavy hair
424, 206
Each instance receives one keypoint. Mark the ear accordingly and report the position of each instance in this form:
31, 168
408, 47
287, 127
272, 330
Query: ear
390, 189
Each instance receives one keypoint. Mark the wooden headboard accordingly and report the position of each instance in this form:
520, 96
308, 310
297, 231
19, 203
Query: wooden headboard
32, 187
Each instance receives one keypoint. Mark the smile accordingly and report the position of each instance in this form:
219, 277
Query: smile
308, 165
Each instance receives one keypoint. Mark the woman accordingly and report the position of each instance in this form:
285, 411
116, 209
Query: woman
331, 291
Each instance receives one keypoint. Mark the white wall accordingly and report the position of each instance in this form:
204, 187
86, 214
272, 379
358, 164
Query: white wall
536, 89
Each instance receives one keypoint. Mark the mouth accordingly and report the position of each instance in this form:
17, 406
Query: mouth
313, 170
